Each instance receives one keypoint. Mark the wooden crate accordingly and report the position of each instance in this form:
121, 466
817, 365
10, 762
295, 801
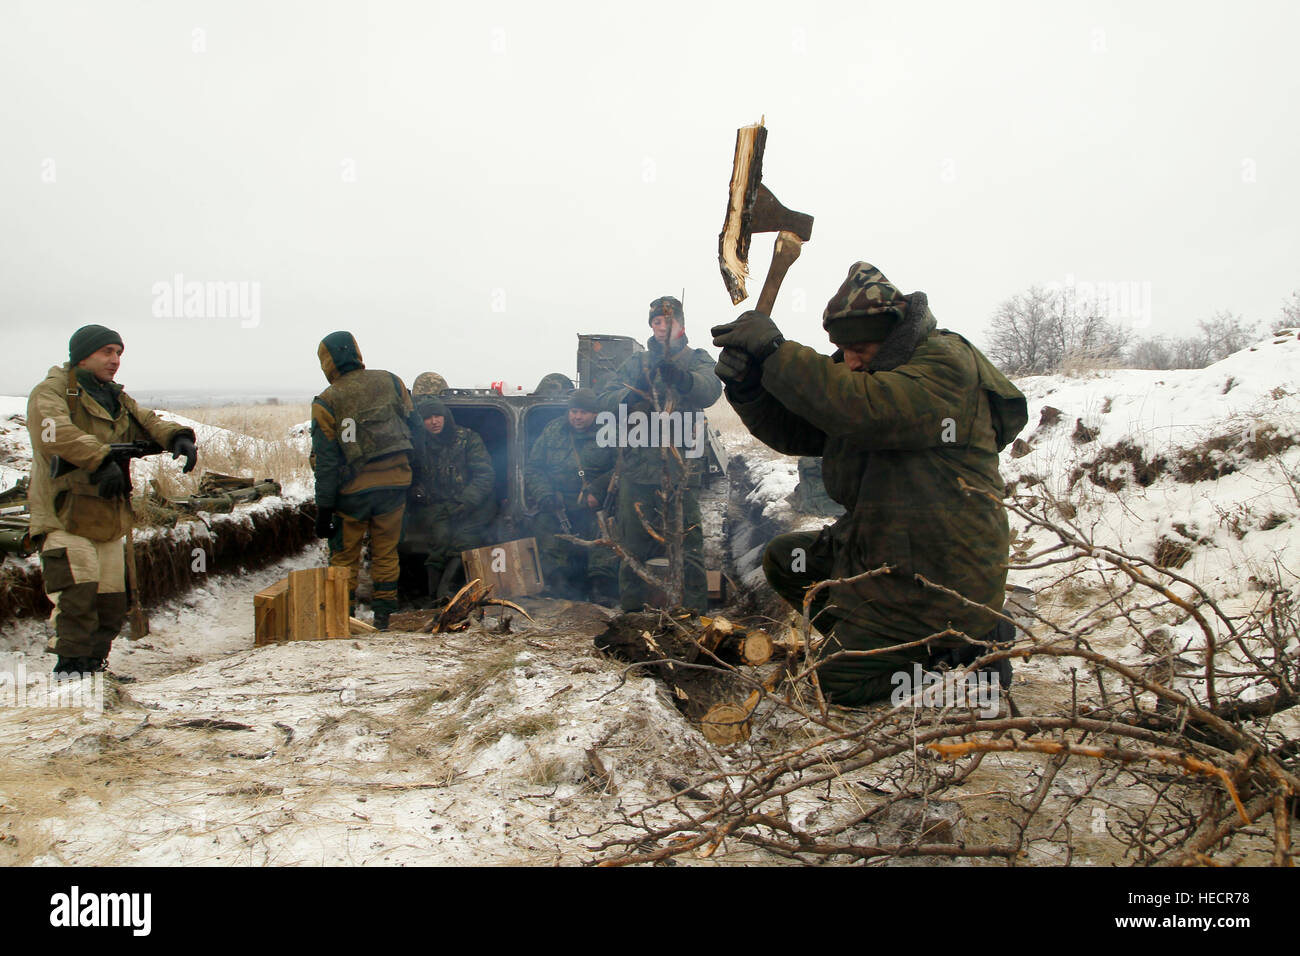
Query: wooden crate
308, 605
513, 568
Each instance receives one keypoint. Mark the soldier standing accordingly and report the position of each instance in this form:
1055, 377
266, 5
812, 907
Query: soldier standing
903, 413
683, 379
453, 501
82, 517
361, 429
567, 478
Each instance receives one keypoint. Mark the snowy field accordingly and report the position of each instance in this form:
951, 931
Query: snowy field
486, 747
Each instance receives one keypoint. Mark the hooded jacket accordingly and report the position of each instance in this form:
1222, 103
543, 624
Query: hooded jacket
897, 441
63, 419
361, 426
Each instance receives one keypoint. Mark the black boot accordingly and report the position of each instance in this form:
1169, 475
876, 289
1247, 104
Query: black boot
78, 665
381, 619
446, 583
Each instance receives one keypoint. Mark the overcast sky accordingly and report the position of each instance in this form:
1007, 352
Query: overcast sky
467, 186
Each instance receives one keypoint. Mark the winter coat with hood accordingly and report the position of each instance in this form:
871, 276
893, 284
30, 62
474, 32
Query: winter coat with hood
898, 441
361, 426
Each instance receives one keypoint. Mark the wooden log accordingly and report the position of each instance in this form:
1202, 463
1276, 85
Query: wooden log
361, 627
728, 723
756, 648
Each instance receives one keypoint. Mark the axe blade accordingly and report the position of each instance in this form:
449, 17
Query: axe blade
769, 215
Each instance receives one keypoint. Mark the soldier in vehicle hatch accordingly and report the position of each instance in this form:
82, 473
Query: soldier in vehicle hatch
567, 477
452, 503
902, 413
361, 431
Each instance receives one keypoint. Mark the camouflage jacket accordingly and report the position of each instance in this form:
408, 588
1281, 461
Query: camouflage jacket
895, 445
456, 477
556, 459
361, 434
642, 464
64, 420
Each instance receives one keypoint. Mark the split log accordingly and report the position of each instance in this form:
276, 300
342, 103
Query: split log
465, 605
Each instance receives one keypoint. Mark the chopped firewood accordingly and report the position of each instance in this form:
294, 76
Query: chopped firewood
361, 627
464, 604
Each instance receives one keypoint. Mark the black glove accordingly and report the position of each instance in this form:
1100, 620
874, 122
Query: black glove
742, 374
674, 376
110, 479
753, 332
324, 522
184, 445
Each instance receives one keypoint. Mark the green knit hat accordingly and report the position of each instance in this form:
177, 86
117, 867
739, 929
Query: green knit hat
584, 399
429, 405
865, 308
88, 340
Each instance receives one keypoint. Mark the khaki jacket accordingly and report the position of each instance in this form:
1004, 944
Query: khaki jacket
80, 430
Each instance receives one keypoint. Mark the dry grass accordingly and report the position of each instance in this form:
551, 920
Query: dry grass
271, 455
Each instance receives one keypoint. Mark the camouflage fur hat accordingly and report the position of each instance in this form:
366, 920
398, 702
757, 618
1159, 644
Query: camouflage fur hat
865, 308
666, 305
429, 383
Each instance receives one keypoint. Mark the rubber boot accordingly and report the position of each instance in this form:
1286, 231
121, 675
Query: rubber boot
446, 586
435, 575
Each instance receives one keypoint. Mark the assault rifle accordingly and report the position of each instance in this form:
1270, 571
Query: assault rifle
120, 452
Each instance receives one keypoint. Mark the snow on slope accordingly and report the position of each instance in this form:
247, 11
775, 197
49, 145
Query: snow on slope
1204, 459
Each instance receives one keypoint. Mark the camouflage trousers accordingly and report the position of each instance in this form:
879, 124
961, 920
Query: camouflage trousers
633, 592
569, 568
377, 513
793, 562
86, 581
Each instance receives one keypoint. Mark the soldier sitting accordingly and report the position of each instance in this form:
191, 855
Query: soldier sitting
451, 506
567, 478
903, 412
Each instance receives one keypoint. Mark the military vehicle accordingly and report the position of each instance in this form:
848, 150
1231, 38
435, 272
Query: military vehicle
509, 424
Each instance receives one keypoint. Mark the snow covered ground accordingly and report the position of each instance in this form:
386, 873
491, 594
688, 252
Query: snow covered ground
482, 747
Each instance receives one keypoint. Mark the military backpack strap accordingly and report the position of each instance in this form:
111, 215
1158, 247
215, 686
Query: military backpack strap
73, 391
582, 474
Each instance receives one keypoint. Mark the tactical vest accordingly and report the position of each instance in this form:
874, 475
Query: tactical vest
368, 414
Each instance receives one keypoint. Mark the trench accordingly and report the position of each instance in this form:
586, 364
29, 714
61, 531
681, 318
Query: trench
171, 561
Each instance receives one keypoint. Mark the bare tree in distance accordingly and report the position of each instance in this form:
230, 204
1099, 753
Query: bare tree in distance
1289, 317
1220, 336
1038, 331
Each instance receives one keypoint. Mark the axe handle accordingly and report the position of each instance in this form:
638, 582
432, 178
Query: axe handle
787, 249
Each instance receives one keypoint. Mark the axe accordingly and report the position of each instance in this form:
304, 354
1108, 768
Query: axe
752, 208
